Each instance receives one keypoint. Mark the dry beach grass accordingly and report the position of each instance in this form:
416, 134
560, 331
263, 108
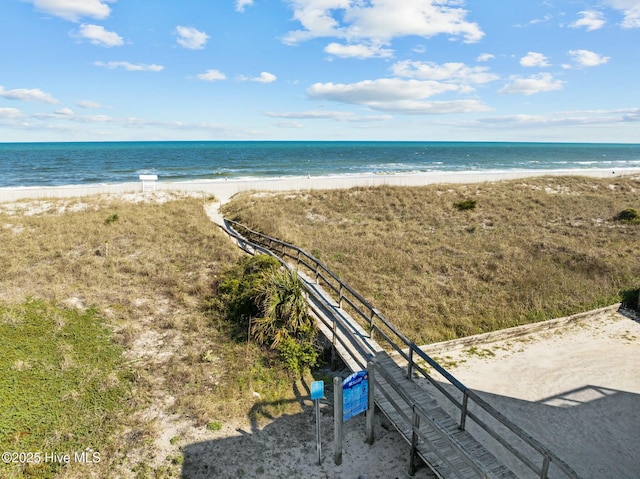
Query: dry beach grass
532, 249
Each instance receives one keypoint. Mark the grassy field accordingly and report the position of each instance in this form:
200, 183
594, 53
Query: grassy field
105, 341
529, 250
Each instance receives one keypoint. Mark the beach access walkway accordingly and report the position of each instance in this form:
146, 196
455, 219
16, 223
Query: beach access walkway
399, 370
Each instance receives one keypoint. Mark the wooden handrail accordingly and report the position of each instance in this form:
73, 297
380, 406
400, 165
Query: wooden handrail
375, 318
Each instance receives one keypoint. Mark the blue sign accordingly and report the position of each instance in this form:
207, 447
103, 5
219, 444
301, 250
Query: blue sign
355, 394
317, 390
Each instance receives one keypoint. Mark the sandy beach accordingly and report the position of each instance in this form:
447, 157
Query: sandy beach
224, 190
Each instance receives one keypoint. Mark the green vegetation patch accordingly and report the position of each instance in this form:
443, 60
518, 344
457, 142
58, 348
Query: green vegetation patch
466, 205
267, 304
628, 215
61, 377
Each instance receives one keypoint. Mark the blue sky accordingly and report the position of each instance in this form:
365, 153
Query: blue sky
461, 70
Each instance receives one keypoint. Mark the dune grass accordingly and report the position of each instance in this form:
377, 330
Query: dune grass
118, 291
527, 250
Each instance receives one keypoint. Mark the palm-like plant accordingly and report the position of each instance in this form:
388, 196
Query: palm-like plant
285, 312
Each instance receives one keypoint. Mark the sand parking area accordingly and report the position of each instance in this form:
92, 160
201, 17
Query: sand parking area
575, 388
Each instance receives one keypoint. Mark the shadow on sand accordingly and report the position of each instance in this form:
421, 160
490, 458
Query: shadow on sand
286, 447
595, 430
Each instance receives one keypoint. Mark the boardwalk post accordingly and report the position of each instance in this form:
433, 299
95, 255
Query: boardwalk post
545, 467
337, 421
465, 406
371, 365
414, 442
410, 365
373, 313
334, 351
318, 438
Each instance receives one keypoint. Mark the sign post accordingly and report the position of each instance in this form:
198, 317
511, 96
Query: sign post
351, 397
317, 393
372, 404
337, 421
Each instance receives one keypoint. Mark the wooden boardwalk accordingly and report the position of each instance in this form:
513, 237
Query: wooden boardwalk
448, 451
439, 440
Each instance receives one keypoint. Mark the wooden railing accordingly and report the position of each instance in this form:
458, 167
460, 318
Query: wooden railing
537, 457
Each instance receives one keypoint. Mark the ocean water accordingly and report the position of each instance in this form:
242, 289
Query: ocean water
54, 164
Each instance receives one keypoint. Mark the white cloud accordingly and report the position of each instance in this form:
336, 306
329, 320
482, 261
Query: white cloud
417, 107
590, 19
289, 124
630, 9
545, 19
587, 58
633, 115
265, 77
61, 114
534, 59
485, 57
97, 35
242, 4
211, 75
395, 95
381, 20
360, 50
457, 72
191, 38
10, 113
64, 112
557, 119
23, 94
73, 10
381, 90
534, 84
132, 67
97, 118
328, 115
88, 104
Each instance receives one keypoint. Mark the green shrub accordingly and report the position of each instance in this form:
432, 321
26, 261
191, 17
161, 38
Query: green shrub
214, 426
259, 290
237, 290
630, 298
629, 215
465, 205
298, 355
111, 219
285, 323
